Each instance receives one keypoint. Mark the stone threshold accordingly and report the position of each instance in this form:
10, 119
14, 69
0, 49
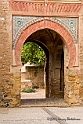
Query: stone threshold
48, 102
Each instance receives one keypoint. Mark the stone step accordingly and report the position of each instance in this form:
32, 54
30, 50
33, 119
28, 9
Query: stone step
49, 102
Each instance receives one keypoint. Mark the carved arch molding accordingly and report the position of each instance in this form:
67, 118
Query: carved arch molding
20, 23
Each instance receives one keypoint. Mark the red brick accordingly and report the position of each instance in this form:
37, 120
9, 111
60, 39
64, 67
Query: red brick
35, 8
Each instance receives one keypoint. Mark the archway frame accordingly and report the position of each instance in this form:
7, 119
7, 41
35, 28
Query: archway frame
67, 39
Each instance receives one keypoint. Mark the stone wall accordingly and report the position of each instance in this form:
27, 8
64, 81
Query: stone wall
9, 75
5, 53
34, 76
81, 56
71, 81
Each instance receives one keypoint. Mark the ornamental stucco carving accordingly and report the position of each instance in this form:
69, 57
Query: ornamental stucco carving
22, 22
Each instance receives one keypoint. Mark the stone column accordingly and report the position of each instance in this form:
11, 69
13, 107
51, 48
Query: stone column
16, 86
71, 81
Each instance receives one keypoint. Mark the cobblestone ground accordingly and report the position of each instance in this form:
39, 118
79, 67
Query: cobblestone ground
41, 115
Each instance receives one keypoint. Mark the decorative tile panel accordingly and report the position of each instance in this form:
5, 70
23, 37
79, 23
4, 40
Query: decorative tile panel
22, 22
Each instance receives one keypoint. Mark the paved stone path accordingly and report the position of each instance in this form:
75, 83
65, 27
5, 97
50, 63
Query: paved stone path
38, 99
41, 115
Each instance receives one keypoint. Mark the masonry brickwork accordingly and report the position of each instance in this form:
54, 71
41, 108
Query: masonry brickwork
10, 62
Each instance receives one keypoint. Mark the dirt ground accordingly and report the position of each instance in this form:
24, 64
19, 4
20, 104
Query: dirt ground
39, 94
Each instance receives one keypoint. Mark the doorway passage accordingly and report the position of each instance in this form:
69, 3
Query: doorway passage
52, 44
32, 72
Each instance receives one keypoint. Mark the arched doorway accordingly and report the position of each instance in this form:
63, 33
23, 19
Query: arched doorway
35, 73
67, 39
52, 44
54, 37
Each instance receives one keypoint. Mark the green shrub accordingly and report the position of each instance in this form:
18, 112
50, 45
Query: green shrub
35, 87
30, 90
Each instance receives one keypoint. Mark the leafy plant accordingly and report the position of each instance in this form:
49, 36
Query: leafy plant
33, 53
30, 90
35, 87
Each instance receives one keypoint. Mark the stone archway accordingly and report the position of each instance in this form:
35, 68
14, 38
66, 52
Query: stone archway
53, 26
64, 36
